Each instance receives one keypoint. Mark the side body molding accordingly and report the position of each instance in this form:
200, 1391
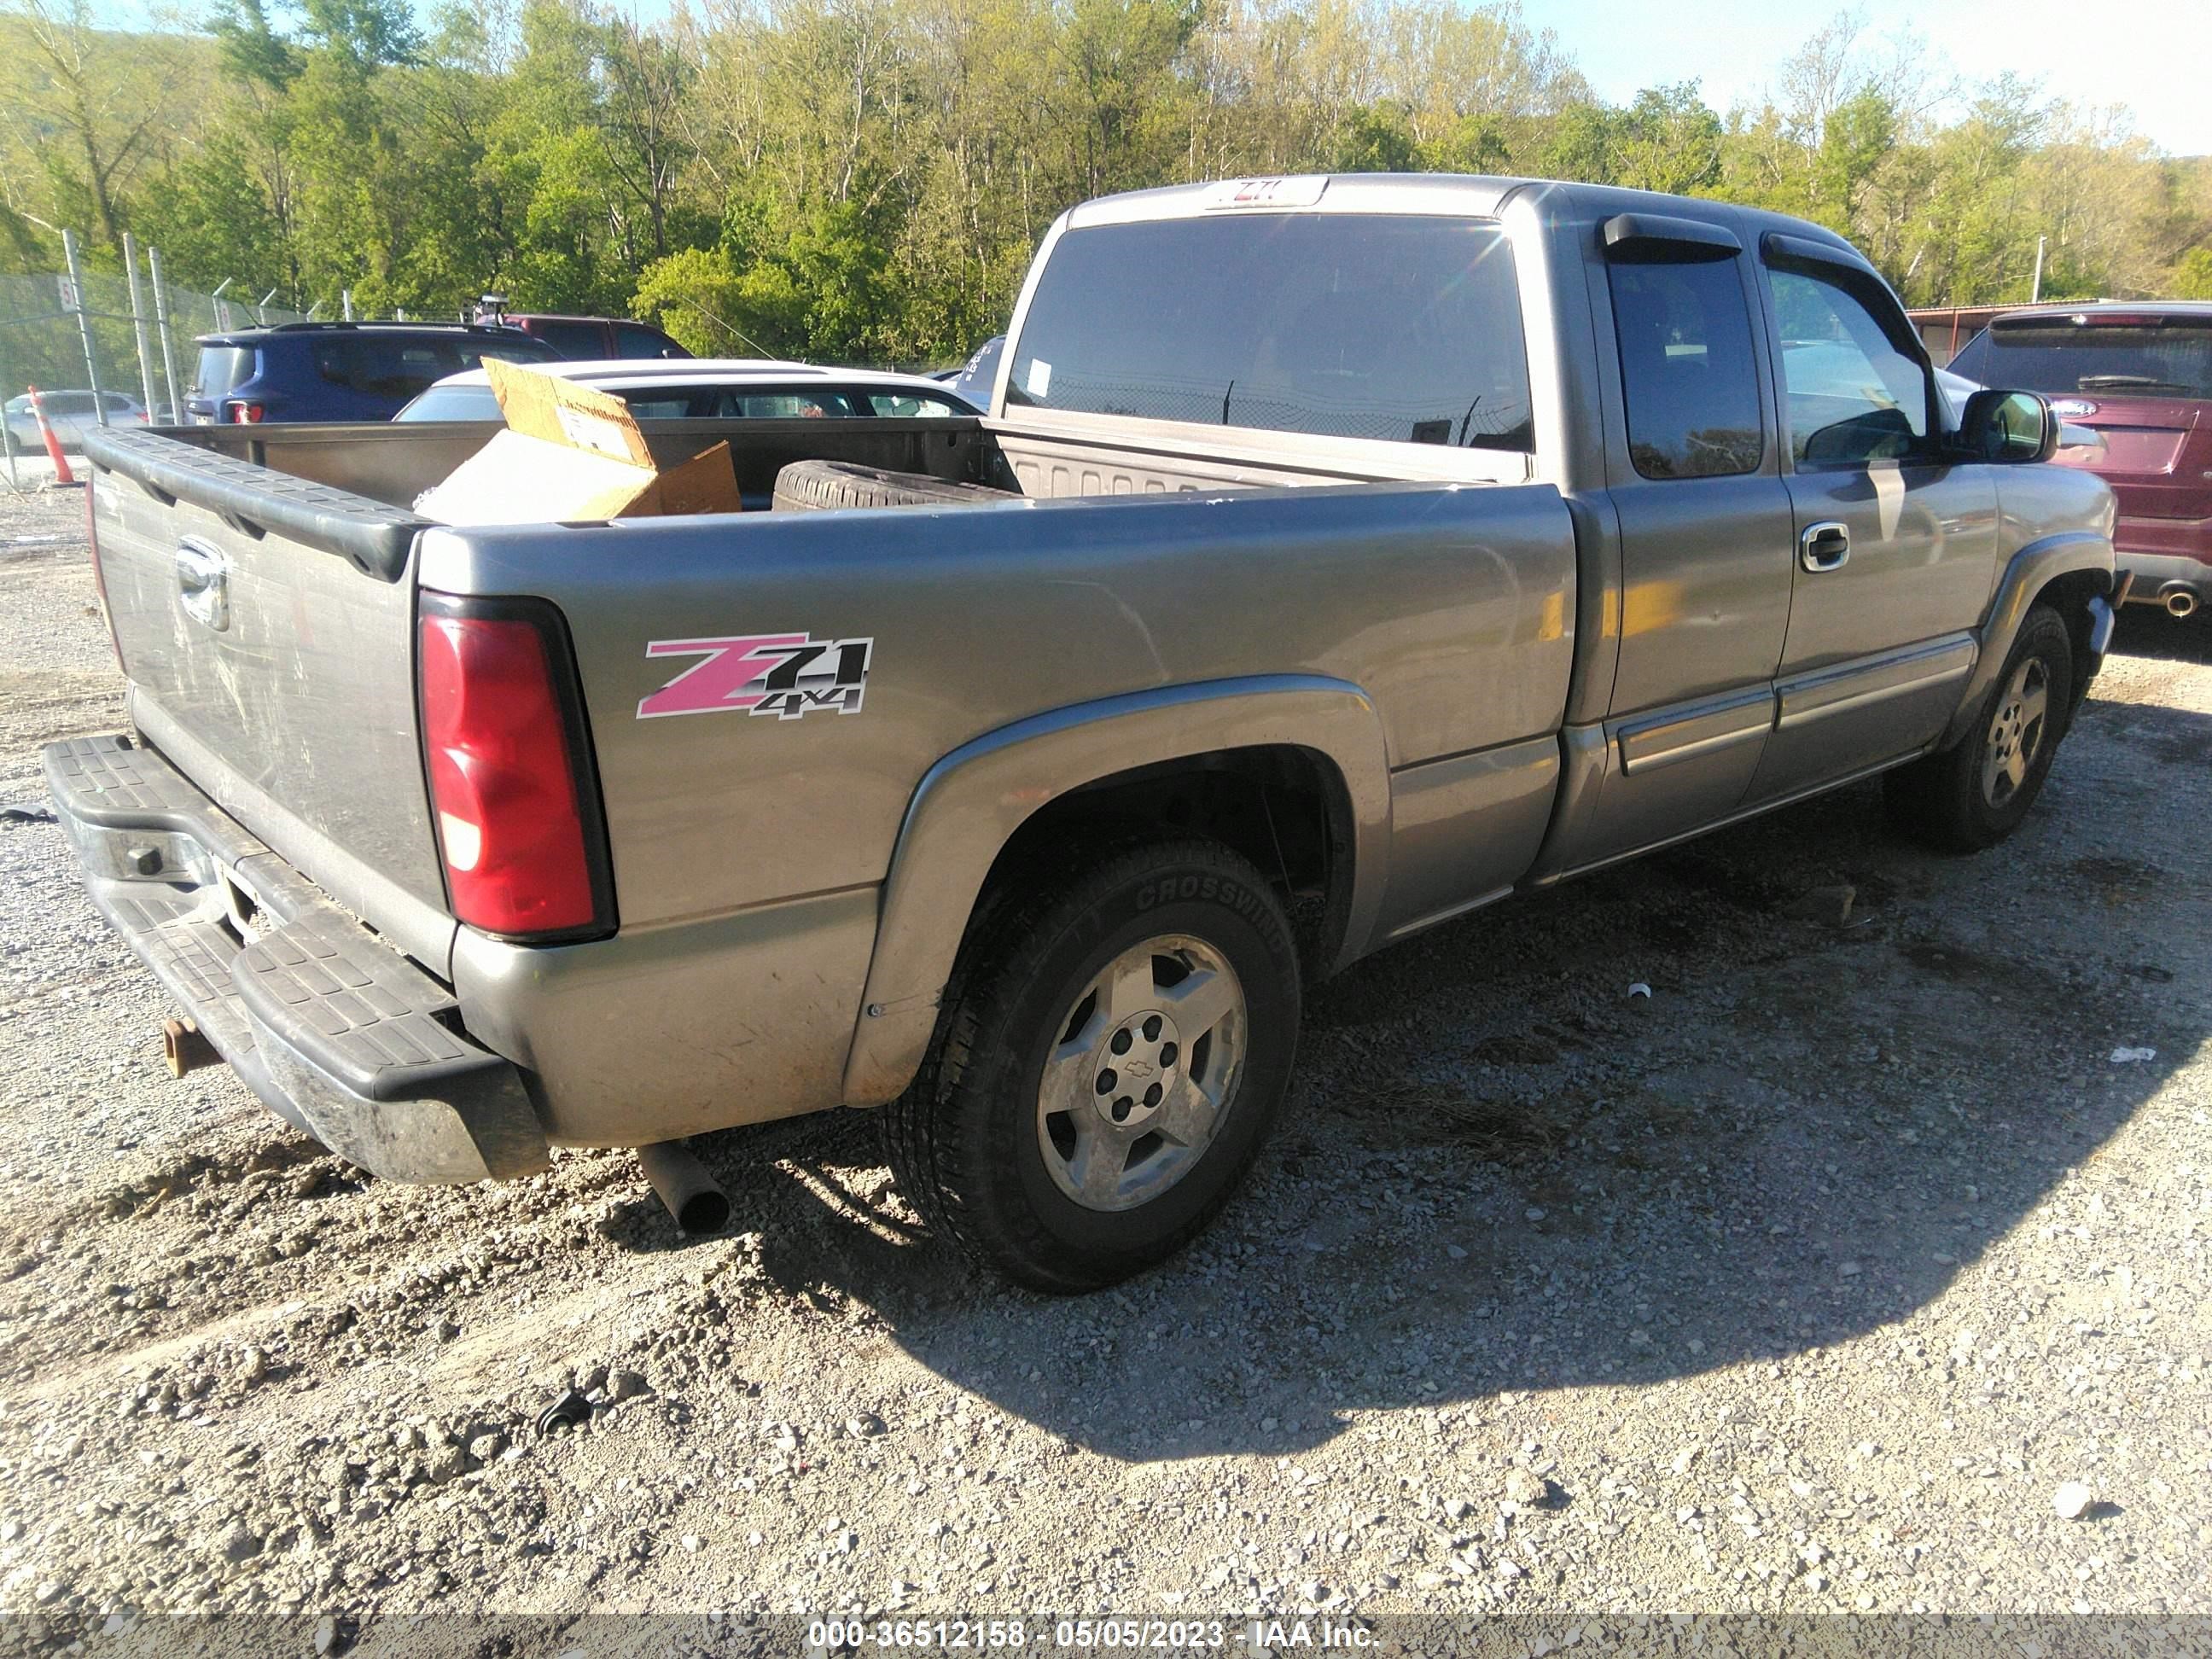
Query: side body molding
971, 803
2029, 571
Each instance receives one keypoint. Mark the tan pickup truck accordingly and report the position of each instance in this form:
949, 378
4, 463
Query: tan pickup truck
1338, 556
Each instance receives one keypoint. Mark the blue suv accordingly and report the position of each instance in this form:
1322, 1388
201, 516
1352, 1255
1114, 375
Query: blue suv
339, 371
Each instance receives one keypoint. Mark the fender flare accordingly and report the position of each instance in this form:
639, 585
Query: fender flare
2030, 571
971, 803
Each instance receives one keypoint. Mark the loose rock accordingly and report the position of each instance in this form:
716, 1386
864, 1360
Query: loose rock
1522, 1487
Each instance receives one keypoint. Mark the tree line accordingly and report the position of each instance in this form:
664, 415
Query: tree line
866, 179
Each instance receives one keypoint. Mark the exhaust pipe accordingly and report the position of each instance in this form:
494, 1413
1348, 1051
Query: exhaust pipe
2180, 600
185, 1048
693, 1197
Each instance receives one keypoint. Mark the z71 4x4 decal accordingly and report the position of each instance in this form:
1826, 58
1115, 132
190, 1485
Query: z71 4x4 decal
786, 675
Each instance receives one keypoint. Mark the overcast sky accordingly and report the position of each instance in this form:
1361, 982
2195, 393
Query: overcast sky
2154, 56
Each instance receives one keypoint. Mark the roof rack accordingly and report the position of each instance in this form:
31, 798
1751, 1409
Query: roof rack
413, 322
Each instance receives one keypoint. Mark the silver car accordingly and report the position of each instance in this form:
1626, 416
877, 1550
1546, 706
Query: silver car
69, 413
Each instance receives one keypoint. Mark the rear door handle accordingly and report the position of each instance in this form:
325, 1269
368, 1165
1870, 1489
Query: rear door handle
204, 582
1824, 546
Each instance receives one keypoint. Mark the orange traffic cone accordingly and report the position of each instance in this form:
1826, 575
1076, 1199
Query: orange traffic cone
62, 473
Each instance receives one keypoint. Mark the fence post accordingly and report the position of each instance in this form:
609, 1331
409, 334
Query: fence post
7, 443
83, 325
222, 308
162, 322
138, 326
345, 301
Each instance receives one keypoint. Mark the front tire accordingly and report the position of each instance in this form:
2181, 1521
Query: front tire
1112, 1053
1975, 793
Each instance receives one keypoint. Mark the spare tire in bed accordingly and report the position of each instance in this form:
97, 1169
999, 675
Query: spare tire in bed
813, 486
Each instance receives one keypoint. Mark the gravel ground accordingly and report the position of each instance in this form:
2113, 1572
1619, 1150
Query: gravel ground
1809, 1282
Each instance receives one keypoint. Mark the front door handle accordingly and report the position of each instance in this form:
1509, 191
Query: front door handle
1824, 546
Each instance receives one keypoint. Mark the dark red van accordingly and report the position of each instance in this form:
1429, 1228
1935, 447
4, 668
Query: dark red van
2141, 373
592, 338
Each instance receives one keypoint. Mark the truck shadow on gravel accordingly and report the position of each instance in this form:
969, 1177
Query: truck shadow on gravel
1503, 1171
2144, 631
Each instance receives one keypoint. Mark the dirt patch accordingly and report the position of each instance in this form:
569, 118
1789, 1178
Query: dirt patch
1799, 1282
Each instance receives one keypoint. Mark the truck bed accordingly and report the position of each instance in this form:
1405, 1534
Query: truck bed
1437, 622
393, 462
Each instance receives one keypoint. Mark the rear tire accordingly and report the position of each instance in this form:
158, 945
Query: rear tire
1112, 1056
819, 486
1975, 793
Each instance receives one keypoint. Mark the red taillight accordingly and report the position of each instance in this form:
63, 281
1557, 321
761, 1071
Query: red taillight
519, 824
245, 414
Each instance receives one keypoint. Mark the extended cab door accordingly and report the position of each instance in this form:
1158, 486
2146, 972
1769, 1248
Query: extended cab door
1693, 473
1895, 546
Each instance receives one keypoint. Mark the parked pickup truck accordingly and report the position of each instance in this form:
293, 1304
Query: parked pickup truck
1338, 556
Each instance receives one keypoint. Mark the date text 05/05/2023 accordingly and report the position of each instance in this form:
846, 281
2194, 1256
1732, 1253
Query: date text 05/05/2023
1132, 1635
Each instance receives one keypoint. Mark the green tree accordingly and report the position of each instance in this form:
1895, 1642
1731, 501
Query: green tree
1376, 138
1667, 140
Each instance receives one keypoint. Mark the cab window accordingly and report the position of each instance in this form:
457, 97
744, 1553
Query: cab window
1401, 328
1855, 393
1686, 368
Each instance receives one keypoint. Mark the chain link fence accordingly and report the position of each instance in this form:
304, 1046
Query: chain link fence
127, 335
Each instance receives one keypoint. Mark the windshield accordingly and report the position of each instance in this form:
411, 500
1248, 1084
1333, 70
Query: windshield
2171, 359
1401, 328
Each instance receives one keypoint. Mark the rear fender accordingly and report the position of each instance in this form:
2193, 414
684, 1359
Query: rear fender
971, 803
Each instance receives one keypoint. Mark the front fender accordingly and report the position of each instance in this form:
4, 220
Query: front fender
2032, 569
970, 803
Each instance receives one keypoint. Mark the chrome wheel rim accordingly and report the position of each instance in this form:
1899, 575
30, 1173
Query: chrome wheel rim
2016, 733
1143, 1073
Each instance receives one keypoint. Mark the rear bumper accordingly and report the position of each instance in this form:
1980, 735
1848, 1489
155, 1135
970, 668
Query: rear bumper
2156, 574
338, 1033
2163, 552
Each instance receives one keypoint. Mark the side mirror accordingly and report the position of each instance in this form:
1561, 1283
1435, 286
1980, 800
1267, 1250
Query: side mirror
2008, 426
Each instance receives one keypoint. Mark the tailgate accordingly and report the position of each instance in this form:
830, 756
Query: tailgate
266, 624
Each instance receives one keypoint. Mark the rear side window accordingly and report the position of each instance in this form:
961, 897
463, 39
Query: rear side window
401, 365
580, 340
222, 367
2165, 359
520, 349
631, 340
379, 368
1403, 329
909, 406
810, 404
1686, 368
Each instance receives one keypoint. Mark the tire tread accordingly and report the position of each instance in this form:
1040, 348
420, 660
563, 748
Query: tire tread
937, 1153
825, 486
